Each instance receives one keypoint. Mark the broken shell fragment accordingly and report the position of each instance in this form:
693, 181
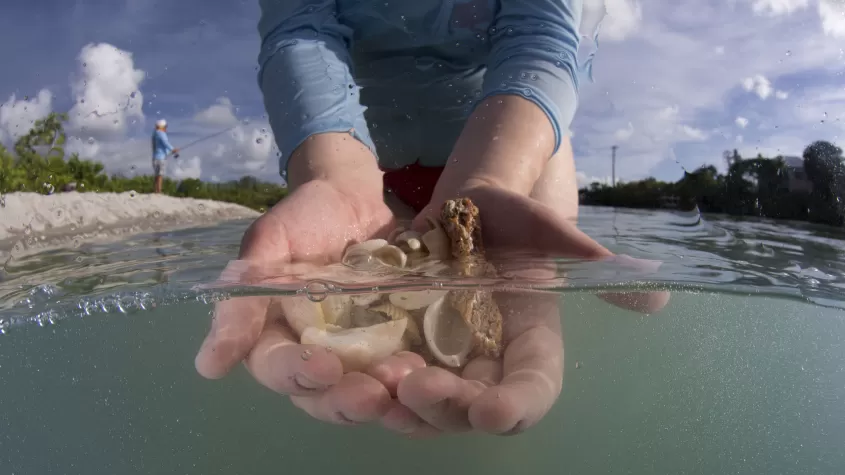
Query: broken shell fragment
409, 241
358, 348
398, 313
365, 317
361, 254
365, 299
438, 244
446, 334
391, 255
302, 313
337, 310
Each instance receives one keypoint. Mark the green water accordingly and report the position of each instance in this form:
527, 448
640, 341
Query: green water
715, 384
733, 381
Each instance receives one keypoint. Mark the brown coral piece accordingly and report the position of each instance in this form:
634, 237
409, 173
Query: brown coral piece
460, 221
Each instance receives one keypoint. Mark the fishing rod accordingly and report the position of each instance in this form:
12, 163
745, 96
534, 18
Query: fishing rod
203, 139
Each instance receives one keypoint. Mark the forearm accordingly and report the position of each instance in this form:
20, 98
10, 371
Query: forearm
506, 143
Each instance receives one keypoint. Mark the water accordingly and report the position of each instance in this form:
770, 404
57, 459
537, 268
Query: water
741, 373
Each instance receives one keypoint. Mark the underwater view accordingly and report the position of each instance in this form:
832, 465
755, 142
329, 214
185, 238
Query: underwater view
441, 236
740, 373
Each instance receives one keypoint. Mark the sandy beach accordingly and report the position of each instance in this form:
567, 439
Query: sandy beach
31, 221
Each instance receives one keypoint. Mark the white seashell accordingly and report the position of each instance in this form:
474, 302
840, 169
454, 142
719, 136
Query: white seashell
446, 334
399, 313
302, 313
438, 244
391, 255
409, 241
365, 299
337, 310
360, 254
358, 348
391, 238
415, 300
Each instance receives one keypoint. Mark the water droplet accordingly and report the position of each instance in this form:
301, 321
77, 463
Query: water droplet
27, 230
259, 140
91, 140
201, 207
306, 355
132, 193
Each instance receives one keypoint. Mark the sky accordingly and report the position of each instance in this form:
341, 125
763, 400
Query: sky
675, 83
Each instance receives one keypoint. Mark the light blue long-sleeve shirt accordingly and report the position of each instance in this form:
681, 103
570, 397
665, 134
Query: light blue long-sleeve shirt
403, 76
161, 145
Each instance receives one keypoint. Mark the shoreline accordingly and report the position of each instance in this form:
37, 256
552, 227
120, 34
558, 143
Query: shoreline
31, 222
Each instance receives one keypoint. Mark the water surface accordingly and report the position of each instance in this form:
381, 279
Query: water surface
741, 373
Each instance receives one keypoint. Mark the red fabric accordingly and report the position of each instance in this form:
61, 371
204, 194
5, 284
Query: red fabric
413, 184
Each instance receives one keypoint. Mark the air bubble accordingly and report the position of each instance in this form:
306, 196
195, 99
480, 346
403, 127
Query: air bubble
316, 291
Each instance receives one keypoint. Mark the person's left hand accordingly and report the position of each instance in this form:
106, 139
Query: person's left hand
504, 397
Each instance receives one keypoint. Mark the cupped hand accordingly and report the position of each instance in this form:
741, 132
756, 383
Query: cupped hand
312, 225
507, 397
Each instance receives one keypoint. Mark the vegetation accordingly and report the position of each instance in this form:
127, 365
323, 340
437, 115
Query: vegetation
757, 186
39, 164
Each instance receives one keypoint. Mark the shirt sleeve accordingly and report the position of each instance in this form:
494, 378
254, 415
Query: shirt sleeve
534, 55
305, 74
165, 140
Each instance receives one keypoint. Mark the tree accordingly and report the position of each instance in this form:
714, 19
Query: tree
823, 163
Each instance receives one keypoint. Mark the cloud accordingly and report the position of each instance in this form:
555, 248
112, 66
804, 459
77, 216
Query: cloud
778, 7
220, 114
761, 86
18, 116
832, 13
107, 92
624, 134
741, 122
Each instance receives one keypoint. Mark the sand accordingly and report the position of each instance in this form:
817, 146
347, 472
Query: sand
30, 221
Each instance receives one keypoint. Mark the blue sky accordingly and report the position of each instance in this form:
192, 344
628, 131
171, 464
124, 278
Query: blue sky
676, 83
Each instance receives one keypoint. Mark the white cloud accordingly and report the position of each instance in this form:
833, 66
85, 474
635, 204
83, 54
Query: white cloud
624, 134
832, 13
585, 180
180, 169
220, 114
741, 122
107, 93
18, 116
760, 85
693, 132
777, 7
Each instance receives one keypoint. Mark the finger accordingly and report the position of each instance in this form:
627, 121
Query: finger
439, 397
357, 398
395, 368
532, 367
643, 302
235, 326
531, 383
278, 362
404, 421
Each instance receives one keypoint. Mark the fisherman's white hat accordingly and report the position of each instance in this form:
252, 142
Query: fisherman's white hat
161, 123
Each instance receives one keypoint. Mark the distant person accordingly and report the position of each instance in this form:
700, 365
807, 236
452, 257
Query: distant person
161, 149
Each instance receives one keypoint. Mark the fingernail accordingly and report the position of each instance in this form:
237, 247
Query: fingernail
306, 383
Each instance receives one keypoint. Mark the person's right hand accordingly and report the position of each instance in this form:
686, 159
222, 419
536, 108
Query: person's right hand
313, 225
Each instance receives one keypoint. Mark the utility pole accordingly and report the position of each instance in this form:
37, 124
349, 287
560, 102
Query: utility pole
613, 158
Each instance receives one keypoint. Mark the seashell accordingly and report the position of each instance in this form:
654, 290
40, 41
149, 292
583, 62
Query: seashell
358, 348
360, 254
447, 335
391, 255
415, 300
398, 313
437, 243
391, 238
302, 313
364, 317
365, 299
409, 241
337, 310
